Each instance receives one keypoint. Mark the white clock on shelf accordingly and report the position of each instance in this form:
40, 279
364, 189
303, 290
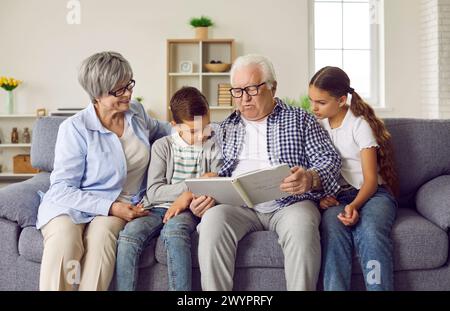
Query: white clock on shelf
186, 66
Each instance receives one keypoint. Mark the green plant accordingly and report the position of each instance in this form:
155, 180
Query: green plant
140, 99
202, 21
302, 102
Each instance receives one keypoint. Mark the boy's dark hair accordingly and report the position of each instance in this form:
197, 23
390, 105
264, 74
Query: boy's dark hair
187, 103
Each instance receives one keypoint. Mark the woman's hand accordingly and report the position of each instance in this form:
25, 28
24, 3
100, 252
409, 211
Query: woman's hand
201, 204
328, 201
179, 205
127, 211
350, 216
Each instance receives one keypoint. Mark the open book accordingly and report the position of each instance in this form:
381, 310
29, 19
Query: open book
247, 189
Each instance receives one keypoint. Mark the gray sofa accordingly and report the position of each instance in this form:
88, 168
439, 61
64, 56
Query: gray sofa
420, 233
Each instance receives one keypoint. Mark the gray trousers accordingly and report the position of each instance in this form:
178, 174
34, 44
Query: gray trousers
297, 226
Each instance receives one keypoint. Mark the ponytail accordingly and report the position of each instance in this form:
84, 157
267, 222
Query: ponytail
385, 153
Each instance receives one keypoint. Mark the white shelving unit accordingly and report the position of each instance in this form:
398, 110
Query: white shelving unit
199, 52
8, 150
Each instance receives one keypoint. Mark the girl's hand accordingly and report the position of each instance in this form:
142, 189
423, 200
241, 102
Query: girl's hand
350, 216
201, 204
328, 201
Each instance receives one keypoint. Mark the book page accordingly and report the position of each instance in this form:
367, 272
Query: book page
219, 188
264, 185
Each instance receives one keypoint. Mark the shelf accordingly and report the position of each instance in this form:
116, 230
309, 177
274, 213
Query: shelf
15, 145
182, 74
18, 116
216, 74
14, 175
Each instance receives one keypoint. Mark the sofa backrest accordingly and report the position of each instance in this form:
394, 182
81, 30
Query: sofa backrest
45, 131
422, 153
422, 150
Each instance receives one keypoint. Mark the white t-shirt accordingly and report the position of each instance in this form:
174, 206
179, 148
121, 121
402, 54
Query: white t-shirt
354, 135
137, 156
254, 156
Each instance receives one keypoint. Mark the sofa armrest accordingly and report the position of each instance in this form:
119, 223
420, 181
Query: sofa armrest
433, 201
19, 202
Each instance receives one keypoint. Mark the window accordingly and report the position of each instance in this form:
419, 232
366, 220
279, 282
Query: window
346, 35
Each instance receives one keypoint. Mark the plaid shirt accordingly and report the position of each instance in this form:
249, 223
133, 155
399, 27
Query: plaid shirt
293, 137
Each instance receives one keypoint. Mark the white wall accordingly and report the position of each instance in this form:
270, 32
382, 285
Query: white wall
44, 51
39, 47
402, 58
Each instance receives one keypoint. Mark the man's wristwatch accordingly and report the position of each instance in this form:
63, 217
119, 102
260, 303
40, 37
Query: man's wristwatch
315, 180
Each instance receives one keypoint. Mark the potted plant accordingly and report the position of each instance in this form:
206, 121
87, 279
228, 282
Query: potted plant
201, 25
302, 102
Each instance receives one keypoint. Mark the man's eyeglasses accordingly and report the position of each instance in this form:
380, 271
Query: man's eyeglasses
122, 90
251, 90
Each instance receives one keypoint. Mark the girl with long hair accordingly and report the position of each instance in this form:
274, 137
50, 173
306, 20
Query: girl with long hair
362, 214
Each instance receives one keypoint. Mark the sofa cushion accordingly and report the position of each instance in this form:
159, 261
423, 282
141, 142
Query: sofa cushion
422, 145
31, 244
433, 201
418, 244
45, 131
20, 201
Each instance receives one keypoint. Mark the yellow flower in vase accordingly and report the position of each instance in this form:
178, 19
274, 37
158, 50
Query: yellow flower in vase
9, 84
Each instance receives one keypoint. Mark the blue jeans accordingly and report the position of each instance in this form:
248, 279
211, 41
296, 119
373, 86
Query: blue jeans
177, 239
370, 237
133, 239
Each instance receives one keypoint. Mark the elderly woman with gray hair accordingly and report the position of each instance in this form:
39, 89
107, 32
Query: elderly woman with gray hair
101, 159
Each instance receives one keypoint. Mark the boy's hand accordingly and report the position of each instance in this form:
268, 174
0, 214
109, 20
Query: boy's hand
328, 201
178, 206
350, 216
210, 174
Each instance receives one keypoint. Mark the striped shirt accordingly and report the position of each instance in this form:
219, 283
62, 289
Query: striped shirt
187, 159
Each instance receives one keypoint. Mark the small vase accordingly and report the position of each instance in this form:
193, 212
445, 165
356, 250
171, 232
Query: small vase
9, 103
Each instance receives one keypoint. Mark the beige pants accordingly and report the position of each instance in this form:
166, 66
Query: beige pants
80, 255
297, 226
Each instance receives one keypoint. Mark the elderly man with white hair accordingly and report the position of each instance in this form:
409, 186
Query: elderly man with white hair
264, 132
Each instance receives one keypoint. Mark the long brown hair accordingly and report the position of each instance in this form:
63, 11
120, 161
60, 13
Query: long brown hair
337, 83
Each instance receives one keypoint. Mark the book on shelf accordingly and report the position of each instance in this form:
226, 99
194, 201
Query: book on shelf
247, 189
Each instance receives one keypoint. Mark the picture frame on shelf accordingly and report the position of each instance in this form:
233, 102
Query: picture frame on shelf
41, 112
186, 66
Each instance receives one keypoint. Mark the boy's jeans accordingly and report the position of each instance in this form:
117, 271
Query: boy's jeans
136, 236
370, 237
177, 239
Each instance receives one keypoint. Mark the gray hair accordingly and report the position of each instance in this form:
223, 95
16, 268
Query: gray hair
103, 72
264, 64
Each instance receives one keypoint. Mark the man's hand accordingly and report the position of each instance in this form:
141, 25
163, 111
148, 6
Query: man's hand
328, 201
127, 211
299, 182
350, 216
179, 205
201, 204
